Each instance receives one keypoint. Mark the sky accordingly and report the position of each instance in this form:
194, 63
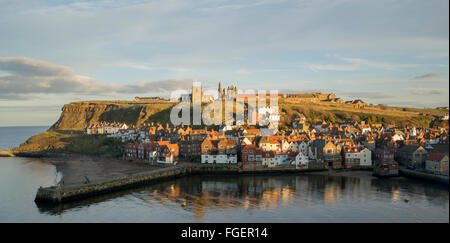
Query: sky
56, 52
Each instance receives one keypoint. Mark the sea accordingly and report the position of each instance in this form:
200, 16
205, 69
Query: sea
299, 198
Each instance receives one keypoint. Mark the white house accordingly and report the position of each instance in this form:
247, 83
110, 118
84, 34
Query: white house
281, 158
166, 159
397, 137
365, 157
303, 147
301, 160
285, 145
219, 159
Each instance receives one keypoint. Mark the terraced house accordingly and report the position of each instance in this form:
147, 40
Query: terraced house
223, 151
412, 156
251, 155
357, 156
327, 152
437, 163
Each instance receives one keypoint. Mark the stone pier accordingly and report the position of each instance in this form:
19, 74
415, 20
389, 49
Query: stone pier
72, 192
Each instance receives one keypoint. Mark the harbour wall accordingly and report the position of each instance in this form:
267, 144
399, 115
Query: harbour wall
73, 192
423, 176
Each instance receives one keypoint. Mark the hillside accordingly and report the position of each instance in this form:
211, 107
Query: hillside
61, 143
334, 112
75, 116
66, 136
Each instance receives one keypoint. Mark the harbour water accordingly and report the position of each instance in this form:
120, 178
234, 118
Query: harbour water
274, 198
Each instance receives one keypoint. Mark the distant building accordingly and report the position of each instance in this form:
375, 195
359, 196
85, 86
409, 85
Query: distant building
437, 163
251, 156
443, 117
197, 92
385, 164
412, 156
147, 99
222, 151
301, 160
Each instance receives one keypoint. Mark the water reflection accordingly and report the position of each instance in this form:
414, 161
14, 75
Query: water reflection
256, 194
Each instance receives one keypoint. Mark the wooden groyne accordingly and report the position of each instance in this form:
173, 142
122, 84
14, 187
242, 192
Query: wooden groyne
423, 176
72, 192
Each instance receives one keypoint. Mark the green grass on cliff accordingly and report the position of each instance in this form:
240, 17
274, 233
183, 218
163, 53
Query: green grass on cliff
332, 112
57, 142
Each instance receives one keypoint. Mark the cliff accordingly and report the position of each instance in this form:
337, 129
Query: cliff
66, 138
75, 116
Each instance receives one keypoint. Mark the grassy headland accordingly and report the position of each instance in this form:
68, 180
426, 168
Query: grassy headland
66, 135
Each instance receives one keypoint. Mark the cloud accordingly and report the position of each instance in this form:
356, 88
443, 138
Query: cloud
152, 68
426, 91
27, 77
30, 67
430, 75
157, 86
366, 94
303, 91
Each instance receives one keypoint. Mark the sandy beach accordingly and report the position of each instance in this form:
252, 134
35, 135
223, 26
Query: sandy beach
75, 169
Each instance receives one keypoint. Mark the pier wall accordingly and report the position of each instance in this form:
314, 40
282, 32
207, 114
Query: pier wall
424, 176
72, 192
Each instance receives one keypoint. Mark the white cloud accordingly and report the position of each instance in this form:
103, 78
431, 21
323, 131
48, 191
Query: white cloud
426, 91
430, 75
153, 68
27, 77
